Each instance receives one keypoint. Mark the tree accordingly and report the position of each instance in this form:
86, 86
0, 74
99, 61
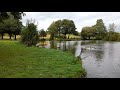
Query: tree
10, 26
17, 15
112, 35
52, 29
42, 33
87, 32
62, 27
58, 25
17, 29
76, 33
29, 35
68, 27
112, 27
5, 15
10, 23
100, 29
2, 31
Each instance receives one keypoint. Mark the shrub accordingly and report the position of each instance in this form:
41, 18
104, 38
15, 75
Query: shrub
29, 34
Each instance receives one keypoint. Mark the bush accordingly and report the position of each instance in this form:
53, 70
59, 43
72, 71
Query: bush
112, 36
29, 34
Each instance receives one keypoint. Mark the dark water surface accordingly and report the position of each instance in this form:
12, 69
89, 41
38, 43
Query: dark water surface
100, 59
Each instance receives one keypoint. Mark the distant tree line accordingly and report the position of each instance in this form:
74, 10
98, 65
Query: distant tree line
100, 32
10, 23
97, 31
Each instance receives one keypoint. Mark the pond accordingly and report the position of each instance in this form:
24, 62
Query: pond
100, 59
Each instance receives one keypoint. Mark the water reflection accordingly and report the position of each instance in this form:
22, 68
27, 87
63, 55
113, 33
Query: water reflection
100, 59
62, 45
53, 44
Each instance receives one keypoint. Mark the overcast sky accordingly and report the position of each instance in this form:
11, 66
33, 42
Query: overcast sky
81, 19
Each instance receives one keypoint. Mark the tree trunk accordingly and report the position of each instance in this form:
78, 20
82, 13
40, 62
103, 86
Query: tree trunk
65, 36
68, 36
59, 36
2, 36
15, 36
52, 37
10, 35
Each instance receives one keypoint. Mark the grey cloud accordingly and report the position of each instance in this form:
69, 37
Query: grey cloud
81, 19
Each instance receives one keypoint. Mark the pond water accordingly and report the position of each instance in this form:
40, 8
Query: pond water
100, 59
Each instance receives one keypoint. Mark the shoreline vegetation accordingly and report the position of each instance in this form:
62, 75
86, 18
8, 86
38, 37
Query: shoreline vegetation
19, 61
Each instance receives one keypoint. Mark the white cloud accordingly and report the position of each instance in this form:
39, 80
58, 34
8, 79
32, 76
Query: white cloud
80, 19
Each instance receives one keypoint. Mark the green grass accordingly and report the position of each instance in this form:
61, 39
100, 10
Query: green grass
19, 61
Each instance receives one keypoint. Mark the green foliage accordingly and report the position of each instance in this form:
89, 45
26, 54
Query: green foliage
29, 34
3, 15
62, 27
42, 33
52, 30
68, 27
16, 15
111, 27
97, 31
88, 33
112, 36
100, 29
76, 33
18, 61
10, 26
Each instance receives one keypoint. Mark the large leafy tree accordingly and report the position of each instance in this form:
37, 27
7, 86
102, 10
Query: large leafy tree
5, 15
18, 15
88, 32
2, 31
58, 25
17, 28
52, 29
68, 27
62, 27
10, 23
76, 33
11, 26
100, 29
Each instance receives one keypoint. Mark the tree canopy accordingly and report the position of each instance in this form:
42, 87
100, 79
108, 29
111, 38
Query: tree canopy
5, 15
112, 27
100, 29
64, 27
88, 32
42, 33
10, 25
97, 31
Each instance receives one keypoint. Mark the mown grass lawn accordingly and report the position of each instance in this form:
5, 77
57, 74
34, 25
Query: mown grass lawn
19, 61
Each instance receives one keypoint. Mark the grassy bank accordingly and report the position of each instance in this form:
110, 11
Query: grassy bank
18, 61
